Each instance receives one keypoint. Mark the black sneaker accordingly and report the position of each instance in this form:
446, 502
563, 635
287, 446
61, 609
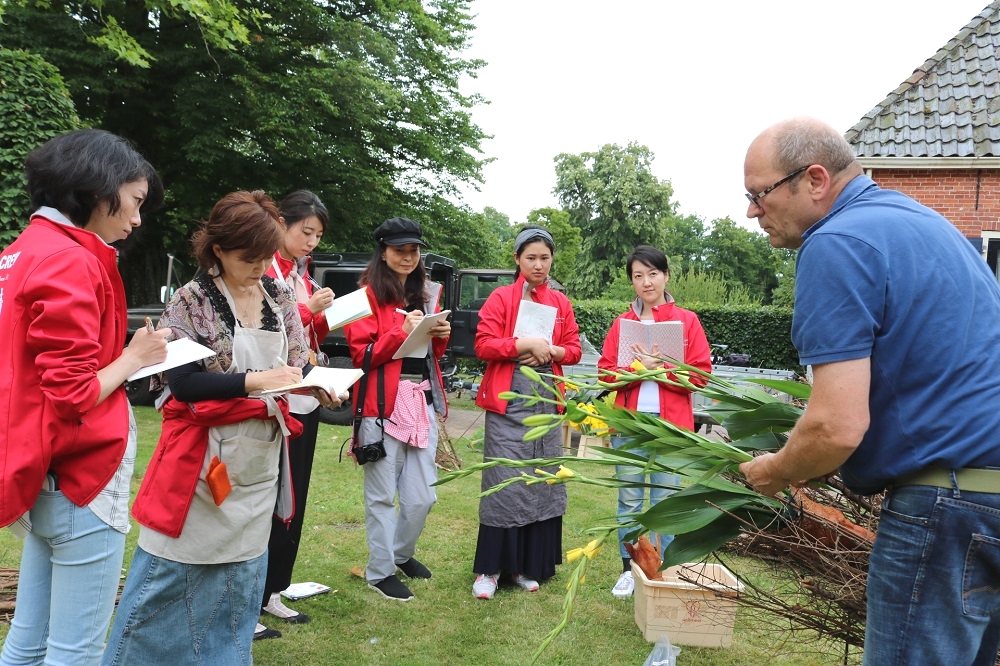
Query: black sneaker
265, 633
414, 569
392, 588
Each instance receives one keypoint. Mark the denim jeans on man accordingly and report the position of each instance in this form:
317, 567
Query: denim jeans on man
632, 500
67, 585
934, 579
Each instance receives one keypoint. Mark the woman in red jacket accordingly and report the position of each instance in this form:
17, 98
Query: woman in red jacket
520, 527
648, 269
401, 398
306, 219
67, 438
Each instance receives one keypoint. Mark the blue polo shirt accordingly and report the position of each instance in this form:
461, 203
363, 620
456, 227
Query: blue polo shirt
884, 277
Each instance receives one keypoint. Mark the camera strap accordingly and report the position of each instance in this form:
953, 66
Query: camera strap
360, 394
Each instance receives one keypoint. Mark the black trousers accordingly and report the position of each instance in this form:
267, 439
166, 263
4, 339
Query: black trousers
283, 545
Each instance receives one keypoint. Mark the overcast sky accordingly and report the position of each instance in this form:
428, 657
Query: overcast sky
695, 81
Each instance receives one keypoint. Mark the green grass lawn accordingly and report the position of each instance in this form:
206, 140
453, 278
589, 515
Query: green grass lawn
444, 624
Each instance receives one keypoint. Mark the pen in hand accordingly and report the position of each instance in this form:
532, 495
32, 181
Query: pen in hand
313, 282
149, 326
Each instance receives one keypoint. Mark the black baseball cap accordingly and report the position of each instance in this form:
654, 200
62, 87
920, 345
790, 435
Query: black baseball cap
399, 231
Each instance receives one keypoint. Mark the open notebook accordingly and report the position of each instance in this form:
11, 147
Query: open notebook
667, 336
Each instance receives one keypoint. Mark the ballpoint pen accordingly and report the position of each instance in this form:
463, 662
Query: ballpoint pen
149, 326
313, 282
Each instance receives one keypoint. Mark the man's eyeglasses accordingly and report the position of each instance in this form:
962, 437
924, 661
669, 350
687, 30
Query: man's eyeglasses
755, 198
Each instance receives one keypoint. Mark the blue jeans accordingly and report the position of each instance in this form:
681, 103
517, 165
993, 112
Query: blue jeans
196, 614
934, 579
631, 500
67, 585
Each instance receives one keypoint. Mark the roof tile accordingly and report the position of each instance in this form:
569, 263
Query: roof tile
948, 107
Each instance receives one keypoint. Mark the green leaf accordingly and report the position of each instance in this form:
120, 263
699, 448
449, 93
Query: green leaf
794, 389
776, 416
694, 546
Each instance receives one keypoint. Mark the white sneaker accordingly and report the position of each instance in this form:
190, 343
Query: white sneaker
485, 586
526, 583
624, 587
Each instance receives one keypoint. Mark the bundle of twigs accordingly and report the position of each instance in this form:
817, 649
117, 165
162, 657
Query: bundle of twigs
446, 457
8, 592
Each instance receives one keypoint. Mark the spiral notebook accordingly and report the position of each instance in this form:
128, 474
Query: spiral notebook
668, 336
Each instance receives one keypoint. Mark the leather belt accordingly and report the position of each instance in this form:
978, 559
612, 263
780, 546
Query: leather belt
970, 479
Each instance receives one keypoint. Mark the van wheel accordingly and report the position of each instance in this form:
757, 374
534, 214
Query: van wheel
139, 393
340, 416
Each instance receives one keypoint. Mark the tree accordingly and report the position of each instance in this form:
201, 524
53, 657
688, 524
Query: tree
784, 293
742, 257
683, 237
354, 100
565, 237
494, 229
222, 24
617, 203
34, 107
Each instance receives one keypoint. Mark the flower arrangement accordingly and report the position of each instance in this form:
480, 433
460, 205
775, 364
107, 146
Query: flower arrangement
713, 506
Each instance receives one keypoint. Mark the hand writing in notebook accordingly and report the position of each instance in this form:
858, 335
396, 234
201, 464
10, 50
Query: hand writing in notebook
410, 319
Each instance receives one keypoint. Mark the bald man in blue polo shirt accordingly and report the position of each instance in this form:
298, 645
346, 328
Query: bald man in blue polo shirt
899, 317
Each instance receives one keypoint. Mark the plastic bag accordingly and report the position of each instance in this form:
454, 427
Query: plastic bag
663, 654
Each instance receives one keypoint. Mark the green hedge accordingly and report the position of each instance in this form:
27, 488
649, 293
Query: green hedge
764, 332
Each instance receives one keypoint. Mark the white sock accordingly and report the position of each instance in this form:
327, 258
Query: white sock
278, 609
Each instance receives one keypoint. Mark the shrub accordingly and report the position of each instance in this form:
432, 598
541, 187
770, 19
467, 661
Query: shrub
34, 107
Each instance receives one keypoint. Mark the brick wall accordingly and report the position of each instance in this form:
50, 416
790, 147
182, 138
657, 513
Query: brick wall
951, 192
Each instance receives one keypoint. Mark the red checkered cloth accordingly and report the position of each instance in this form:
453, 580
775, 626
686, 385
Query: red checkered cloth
409, 422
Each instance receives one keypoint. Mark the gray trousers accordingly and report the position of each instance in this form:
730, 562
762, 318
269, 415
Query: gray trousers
406, 473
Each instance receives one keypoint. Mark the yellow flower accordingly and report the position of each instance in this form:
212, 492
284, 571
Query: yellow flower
591, 423
637, 366
564, 472
592, 549
574, 555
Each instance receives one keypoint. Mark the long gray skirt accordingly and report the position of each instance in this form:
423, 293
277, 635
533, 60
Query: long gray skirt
519, 504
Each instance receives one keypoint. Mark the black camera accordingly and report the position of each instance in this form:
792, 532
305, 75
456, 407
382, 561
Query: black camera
367, 453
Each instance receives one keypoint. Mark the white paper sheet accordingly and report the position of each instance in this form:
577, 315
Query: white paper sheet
535, 320
415, 344
179, 352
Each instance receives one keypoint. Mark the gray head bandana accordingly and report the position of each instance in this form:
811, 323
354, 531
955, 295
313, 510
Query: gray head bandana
529, 235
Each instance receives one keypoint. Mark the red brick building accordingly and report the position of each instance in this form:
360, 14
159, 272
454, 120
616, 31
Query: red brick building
937, 136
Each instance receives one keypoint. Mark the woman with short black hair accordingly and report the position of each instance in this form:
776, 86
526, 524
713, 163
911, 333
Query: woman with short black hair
67, 437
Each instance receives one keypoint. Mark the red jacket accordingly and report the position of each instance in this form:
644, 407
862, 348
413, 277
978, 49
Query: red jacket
320, 327
173, 474
385, 328
62, 318
496, 344
675, 402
